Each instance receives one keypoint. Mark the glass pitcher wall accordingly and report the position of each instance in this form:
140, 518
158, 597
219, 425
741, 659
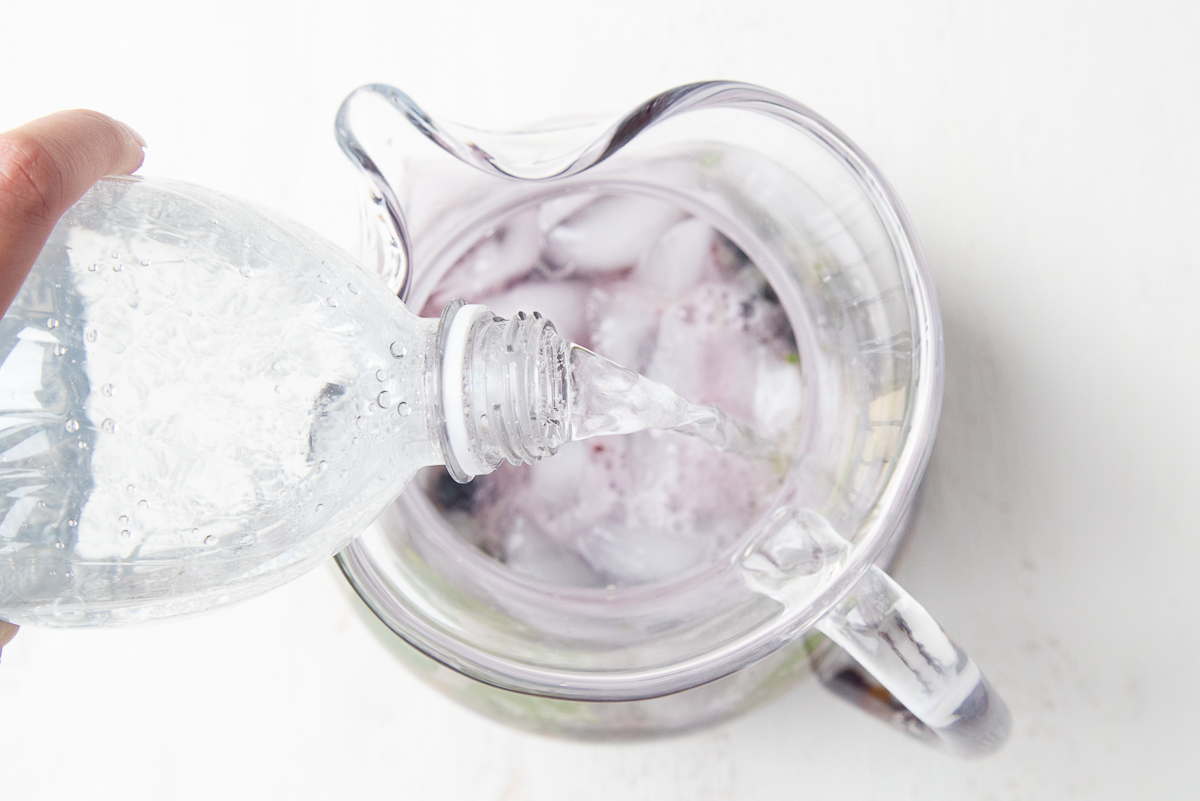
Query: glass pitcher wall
815, 217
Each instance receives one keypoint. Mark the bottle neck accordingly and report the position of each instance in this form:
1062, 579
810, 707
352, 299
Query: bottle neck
515, 390
505, 389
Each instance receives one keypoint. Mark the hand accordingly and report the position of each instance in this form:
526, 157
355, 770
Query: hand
45, 166
7, 632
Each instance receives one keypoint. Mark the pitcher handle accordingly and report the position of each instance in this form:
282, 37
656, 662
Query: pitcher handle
391, 260
899, 643
798, 550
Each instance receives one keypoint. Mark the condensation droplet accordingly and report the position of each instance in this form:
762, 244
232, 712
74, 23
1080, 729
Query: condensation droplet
272, 237
125, 533
210, 540
58, 546
116, 254
52, 323
145, 262
274, 365
72, 425
106, 390
322, 278
129, 488
117, 267
278, 389
483, 423
321, 465
72, 523
403, 409
123, 519
398, 350
246, 271
320, 506
381, 375
383, 399
92, 268
144, 504
91, 335
353, 289
109, 426
59, 350
332, 302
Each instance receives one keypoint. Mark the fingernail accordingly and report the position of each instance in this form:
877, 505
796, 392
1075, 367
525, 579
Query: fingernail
137, 137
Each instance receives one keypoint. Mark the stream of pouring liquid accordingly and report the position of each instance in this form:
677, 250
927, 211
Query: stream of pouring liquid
611, 399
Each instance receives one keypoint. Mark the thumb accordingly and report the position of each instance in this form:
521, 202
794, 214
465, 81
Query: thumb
7, 632
45, 166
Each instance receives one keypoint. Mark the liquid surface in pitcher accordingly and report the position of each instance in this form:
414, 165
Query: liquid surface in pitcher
645, 284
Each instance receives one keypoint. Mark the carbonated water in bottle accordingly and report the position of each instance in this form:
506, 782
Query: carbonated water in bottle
200, 400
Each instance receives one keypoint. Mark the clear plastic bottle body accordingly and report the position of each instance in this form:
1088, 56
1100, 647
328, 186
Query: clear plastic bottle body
199, 400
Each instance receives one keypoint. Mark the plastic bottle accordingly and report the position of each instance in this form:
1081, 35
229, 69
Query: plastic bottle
200, 400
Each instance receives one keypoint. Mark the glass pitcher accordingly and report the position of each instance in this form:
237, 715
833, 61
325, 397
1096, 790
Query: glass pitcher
809, 211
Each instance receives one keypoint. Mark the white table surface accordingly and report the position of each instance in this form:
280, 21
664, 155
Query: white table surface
1048, 155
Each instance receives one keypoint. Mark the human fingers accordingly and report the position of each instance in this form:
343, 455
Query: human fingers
7, 632
45, 166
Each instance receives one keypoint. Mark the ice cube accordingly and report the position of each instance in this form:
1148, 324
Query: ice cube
631, 556
552, 212
509, 252
558, 481
573, 496
623, 322
607, 235
561, 302
675, 504
529, 550
778, 395
680, 259
712, 344
700, 357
